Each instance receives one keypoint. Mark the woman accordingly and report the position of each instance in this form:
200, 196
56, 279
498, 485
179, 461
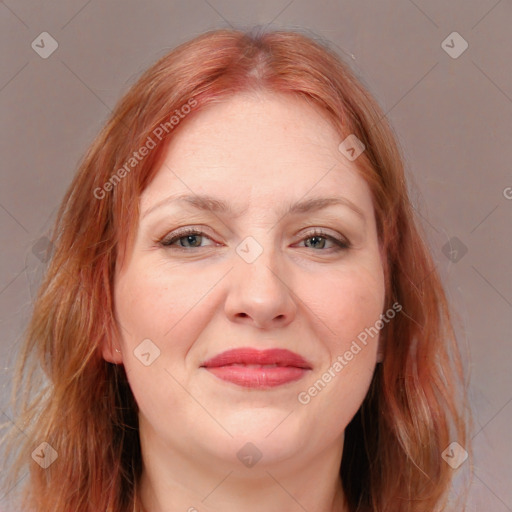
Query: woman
240, 312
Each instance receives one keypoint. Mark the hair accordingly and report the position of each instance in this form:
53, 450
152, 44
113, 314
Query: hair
83, 406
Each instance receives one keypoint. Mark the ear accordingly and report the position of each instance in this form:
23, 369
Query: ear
111, 349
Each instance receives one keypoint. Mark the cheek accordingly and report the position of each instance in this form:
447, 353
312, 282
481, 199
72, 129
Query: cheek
351, 309
347, 301
151, 300
154, 304
351, 303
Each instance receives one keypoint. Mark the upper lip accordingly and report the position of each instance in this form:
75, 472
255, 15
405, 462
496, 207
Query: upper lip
247, 355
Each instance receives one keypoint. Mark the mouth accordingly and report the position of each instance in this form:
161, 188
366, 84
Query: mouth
263, 369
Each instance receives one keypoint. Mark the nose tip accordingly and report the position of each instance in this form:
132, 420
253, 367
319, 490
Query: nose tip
259, 294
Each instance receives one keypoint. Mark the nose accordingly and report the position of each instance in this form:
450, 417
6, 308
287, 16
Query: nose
261, 292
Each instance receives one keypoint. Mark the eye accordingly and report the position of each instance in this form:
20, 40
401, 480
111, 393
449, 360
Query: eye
318, 237
188, 235
192, 237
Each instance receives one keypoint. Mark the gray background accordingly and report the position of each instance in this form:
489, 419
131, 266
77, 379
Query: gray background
453, 117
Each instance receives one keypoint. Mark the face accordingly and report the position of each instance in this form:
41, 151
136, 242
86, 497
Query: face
257, 274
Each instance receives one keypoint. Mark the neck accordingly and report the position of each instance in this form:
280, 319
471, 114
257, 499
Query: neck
272, 495
178, 480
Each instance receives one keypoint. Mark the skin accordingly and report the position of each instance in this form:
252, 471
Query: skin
257, 152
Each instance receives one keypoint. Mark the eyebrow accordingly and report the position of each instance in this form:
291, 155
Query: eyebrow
212, 204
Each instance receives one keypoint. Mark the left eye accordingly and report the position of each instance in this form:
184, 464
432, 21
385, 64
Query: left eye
191, 237
320, 235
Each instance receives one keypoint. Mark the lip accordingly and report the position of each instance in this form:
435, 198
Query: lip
253, 368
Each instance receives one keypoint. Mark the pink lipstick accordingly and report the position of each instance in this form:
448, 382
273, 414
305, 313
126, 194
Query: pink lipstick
254, 368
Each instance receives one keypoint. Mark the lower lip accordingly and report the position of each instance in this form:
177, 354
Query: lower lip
258, 377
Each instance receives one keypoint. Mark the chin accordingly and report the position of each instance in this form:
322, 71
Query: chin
267, 431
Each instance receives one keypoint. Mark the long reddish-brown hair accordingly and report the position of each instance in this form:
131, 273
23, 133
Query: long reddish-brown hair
82, 405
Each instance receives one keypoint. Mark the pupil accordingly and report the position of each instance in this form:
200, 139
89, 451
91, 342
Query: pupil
189, 237
316, 238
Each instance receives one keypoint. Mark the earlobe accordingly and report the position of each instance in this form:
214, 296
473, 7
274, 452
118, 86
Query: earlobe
110, 353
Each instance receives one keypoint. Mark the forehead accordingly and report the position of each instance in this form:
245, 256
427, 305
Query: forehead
262, 147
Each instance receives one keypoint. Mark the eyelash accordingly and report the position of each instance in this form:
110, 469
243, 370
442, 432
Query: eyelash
169, 240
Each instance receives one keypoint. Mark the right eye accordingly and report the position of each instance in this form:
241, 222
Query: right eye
188, 234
